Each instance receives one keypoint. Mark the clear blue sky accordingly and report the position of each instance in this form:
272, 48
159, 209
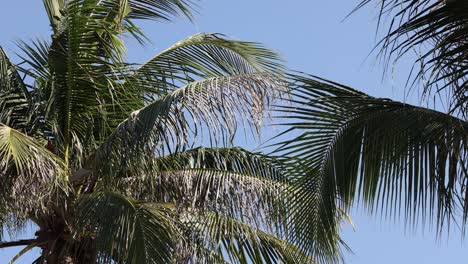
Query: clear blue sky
312, 38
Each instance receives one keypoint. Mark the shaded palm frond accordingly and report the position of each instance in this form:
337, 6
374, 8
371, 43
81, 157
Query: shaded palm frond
437, 30
206, 56
314, 217
35, 56
406, 160
15, 100
123, 230
35, 66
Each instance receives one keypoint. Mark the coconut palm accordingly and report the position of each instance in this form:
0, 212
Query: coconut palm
105, 156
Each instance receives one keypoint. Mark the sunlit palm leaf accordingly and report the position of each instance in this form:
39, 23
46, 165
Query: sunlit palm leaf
30, 173
407, 160
252, 200
55, 10
232, 159
206, 56
160, 10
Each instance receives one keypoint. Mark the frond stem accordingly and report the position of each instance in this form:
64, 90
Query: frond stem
23, 242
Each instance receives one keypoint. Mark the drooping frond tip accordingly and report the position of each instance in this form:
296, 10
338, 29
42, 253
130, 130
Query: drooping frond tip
405, 160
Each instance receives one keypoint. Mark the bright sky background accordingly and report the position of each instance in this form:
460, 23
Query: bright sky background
312, 37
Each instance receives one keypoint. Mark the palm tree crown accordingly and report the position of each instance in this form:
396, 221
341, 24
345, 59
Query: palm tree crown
102, 154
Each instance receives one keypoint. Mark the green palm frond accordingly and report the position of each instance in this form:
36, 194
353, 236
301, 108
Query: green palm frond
206, 56
406, 160
133, 9
36, 56
160, 10
15, 101
30, 173
314, 217
84, 60
437, 30
125, 231
165, 10
212, 108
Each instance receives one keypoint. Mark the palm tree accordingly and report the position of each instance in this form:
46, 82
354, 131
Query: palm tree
104, 156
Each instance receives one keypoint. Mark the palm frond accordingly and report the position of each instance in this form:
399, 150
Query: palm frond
236, 182
406, 160
236, 241
15, 101
35, 56
249, 187
233, 159
314, 218
30, 173
125, 231
160, 10
233, 181
55, 10
165, 10
206, 56
121, 14
212, 108
133, 9
85, 88
437, 31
